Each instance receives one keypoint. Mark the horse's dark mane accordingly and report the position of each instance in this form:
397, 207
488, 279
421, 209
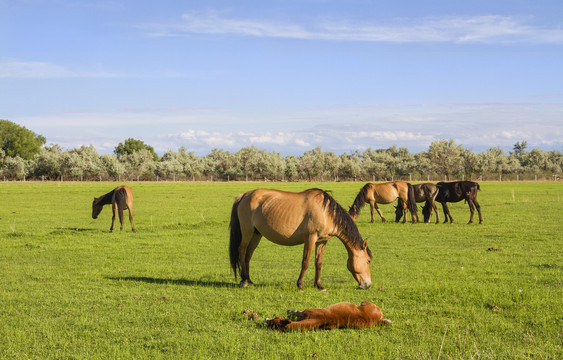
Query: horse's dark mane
359, 201
343, 221
105, 199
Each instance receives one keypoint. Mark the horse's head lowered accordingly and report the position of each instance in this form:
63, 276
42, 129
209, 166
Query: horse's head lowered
96, 208
354, 212
358, 265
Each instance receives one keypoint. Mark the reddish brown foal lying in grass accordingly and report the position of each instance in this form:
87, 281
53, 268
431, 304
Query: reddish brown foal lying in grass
341, 315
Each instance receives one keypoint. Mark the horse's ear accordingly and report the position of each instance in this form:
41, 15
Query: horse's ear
365, 244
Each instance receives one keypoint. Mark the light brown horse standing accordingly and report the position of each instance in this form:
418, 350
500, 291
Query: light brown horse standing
120, 198
310, 217
341, 315
385, 193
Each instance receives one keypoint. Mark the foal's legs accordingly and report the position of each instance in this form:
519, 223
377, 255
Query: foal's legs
296, 314
307, 324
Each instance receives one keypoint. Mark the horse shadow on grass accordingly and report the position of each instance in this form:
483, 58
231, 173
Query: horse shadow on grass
182, 282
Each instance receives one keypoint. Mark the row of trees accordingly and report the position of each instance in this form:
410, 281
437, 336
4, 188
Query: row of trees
443, 160
23, 155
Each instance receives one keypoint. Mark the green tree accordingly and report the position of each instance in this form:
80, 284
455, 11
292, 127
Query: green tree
446, 157
130, 146
520, 148
16, 140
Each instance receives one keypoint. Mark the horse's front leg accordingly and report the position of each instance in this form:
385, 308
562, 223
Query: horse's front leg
435, 207
383, 219
372, 205
319, 252
447, 213
307, 250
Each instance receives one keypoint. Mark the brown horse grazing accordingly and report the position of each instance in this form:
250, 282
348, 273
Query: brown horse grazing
422, 192
385, 193
341, 315
120, 198
310, 217
456, 191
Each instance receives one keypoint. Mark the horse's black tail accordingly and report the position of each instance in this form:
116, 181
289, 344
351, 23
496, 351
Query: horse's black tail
236, 237
411, 201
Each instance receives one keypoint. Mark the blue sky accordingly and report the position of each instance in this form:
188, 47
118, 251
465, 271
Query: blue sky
284, 76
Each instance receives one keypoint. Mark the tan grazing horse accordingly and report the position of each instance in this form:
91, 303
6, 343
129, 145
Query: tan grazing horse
310, 217
385, 193
423, 192
120, 198
341, 315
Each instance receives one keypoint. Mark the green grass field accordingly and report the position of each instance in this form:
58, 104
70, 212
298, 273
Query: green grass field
71, 289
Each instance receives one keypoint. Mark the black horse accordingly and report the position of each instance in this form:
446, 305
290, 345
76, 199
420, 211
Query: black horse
453, 192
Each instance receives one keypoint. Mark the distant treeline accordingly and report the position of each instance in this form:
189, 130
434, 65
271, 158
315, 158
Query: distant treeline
443, 160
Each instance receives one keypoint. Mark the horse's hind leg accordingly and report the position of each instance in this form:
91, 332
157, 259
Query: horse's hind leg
471, 209
246, 249
252, 245
114, 208
120, 212
478, 211
131, 219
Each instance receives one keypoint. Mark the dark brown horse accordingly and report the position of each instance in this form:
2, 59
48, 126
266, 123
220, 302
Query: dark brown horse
385, 193
120, 198
341, 315
310, 217
422, 192
453, 192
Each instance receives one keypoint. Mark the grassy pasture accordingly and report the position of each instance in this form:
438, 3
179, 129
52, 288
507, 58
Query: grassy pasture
71, 289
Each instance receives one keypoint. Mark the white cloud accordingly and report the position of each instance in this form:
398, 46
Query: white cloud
45, 70
451, 29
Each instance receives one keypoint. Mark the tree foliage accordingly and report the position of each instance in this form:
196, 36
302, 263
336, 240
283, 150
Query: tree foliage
130, 146
16, 140
444, 159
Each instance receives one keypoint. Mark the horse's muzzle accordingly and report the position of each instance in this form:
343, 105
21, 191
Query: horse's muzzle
364, 285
